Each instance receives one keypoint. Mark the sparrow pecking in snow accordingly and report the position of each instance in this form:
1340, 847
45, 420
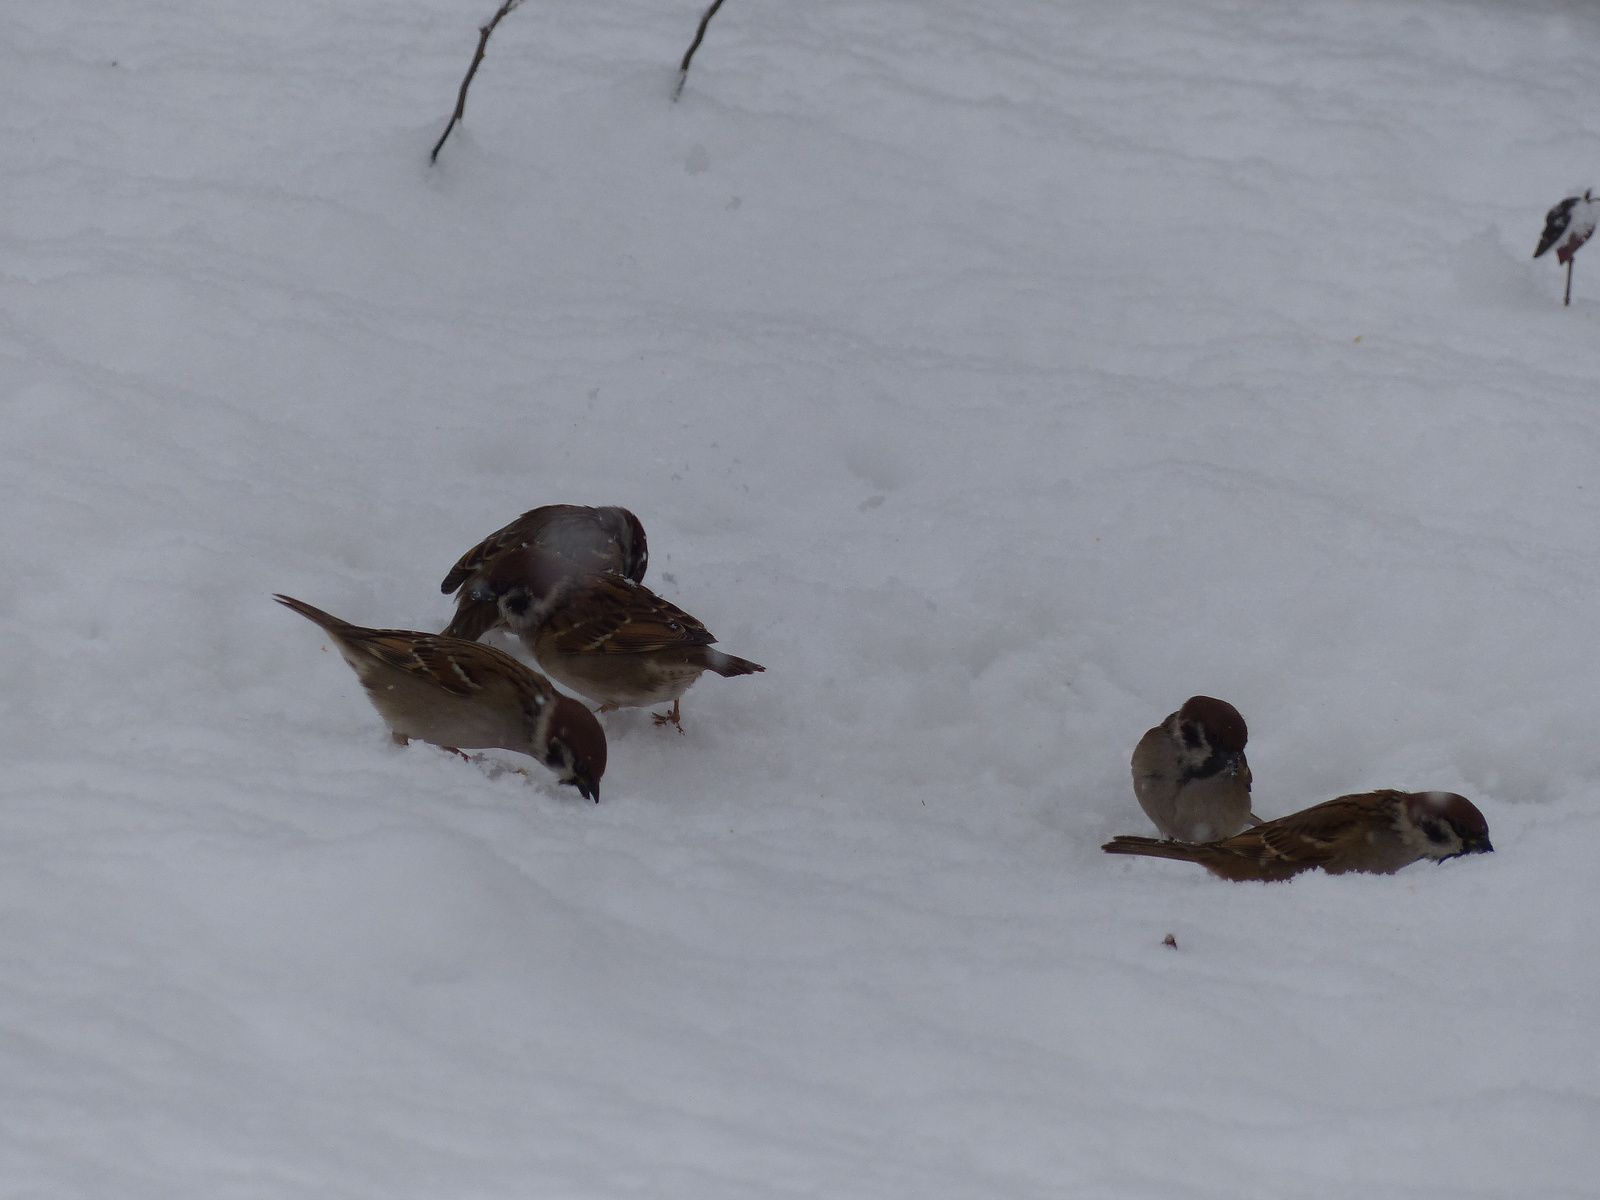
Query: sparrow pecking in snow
455, 693
1376, 832
1190, 773
604, 636
1567, 227
569, 540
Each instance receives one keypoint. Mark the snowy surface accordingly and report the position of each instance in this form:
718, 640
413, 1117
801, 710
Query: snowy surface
998, 375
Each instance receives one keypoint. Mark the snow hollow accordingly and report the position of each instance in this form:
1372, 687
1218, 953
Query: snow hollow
996, 374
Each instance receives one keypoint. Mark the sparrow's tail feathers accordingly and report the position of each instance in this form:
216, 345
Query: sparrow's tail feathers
1150, 848
727, 665
311, 613
473, 619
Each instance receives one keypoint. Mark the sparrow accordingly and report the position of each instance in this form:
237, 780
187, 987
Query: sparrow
1190, 772
455, 693
604, 636
1567, 227
569, 539
1376, 832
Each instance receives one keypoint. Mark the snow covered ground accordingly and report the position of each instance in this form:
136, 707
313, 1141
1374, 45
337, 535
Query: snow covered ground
998, 375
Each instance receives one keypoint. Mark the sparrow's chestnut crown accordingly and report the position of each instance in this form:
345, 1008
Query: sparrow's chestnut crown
1442, 814
1224, 727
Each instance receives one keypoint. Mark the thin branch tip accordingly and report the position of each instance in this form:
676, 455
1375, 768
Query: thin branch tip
688, 55
461, 98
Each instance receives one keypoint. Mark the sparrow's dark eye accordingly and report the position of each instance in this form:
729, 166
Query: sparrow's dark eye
1191, 735
517, 602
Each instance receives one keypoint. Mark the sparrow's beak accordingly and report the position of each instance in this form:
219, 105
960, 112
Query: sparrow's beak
1478, 845
1233, 764
587, 788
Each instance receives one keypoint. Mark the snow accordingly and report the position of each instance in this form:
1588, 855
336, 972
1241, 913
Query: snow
998, 376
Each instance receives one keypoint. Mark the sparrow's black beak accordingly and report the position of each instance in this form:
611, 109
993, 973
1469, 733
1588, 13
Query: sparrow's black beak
589, 789
1233, 764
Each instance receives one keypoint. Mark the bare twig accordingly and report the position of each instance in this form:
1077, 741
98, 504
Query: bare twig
688, 55
461, 101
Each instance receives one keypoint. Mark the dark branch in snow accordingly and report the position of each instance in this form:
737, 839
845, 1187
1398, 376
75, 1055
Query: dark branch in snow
688, 55
461, 100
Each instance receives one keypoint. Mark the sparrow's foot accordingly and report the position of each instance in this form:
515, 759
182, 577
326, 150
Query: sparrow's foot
673, 718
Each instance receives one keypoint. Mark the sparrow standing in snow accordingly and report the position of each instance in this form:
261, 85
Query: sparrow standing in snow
1376, 832
604, 636
569, 539
456, 693
1568, 226
1190, 772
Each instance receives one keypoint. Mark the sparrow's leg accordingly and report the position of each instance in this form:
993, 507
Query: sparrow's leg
672, 718
465, 757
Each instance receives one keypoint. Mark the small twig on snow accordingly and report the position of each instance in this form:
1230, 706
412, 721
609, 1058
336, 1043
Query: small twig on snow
688, 55
461, 101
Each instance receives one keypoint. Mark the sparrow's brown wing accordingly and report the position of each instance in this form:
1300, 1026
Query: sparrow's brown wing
610, 614
592, 541
452, 665
630, 537
521, 532
1313, 837
568, 539
1319, 834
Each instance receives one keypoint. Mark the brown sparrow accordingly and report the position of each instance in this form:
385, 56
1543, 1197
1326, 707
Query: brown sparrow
1376, 832
605, 636
1190, 773
456, 693
569, 540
